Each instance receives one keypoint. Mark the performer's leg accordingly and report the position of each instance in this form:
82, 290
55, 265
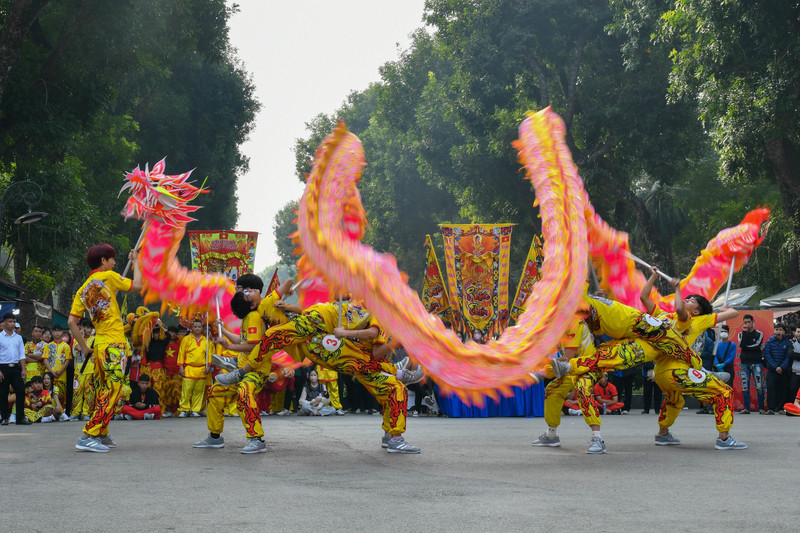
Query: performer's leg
673, 401
554, 395
217, 399
252, 383
109, 378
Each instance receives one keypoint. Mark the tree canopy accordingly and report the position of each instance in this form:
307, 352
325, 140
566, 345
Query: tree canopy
93, 89
437, 130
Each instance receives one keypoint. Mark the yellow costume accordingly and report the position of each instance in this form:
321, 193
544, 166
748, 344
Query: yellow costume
35, 368
98, 296
83, 395
192, 356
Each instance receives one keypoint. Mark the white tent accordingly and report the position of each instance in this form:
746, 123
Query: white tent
787, 298
738, 298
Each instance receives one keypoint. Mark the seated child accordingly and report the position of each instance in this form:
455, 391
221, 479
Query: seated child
143, 402
38, 403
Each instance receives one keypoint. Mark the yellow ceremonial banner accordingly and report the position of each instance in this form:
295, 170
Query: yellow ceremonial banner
477, 263
434, 292
530, 275
231, 253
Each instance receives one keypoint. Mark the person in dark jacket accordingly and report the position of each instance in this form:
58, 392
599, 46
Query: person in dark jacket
143, 402
777, 356
750, 341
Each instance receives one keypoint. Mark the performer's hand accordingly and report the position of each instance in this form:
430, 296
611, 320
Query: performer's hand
207, 370
651, 374
182, 372
654, 271
340, 332
675, 283
133, 254
280, 304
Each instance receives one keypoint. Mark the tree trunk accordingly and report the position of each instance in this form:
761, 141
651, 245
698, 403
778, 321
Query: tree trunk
19, 17
785, 161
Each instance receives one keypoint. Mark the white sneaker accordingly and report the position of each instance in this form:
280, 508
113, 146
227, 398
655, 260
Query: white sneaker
284, 412
210, 442
12, 419
128, 417
340, 412
195, 414
225, 363
560, 368
48, 419
63, 418
149, 416
91, 444
182, 414
399, 445
168, 414
544, 440
597, 445
730, 444
255, 445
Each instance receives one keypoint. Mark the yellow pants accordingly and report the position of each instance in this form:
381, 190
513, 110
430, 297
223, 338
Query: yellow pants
698, 384
622, 322
245, 394
376, 376
192, 394
333, 392
83, 396
109, 376
614, 355
35, 416
556, 392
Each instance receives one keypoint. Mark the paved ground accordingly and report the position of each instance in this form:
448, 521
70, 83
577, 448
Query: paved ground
473, 475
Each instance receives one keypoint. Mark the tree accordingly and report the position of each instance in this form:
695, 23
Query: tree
738, 62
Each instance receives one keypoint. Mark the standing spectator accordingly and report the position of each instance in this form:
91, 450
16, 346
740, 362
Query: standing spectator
750, 341
83, 396
794, 384
13, 371
143, 402
169, 390
651, 392
776, 355
194, 368
726, 353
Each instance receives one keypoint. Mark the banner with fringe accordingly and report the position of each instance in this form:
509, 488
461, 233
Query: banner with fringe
477, 263
231, 253
434, 292
530, 275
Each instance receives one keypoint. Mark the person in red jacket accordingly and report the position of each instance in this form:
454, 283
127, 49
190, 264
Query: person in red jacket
606, 396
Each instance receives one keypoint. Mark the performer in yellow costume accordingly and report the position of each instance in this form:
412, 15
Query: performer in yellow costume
578, 342
314, 328
98, 296
194, 368
255, 312
83, 395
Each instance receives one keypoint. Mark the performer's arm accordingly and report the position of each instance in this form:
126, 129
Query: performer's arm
284, 306
285, 288
649, 305
137, 273
680, 305
360, 334
726, 313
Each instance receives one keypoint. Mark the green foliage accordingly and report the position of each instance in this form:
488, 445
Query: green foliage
39, 283
284, 226
101, 87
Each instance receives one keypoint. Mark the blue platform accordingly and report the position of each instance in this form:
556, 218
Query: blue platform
528, 401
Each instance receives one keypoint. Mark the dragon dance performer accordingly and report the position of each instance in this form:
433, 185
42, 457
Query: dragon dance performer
673, 375
312, 328
255, 313
111, 349
578, 342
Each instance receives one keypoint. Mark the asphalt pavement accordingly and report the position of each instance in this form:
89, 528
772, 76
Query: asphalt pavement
330, 474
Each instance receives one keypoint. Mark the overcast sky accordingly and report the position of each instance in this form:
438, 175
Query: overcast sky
305, 57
